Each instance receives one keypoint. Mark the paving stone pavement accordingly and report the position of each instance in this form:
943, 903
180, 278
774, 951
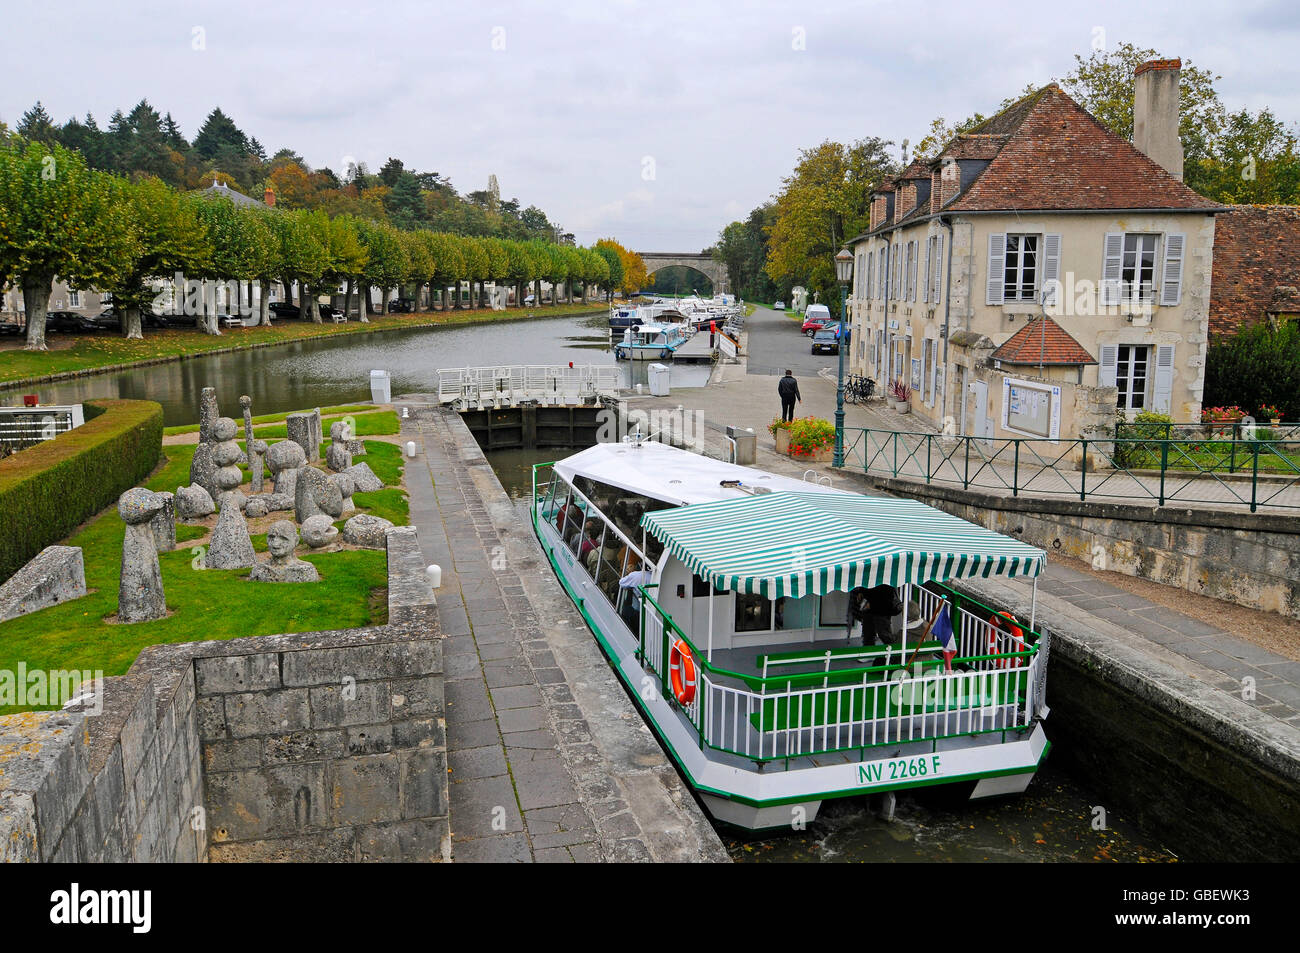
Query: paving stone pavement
527, 782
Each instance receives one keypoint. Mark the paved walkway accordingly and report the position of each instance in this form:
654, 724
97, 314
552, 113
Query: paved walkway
531, 778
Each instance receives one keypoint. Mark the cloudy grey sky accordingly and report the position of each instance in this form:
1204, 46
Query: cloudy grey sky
656, 123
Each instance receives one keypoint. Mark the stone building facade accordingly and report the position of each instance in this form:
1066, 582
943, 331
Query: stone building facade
1039, 218
1256, 266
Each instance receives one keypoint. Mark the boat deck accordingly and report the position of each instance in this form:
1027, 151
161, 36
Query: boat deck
696, 350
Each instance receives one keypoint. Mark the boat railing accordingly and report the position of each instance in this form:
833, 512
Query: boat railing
995, 686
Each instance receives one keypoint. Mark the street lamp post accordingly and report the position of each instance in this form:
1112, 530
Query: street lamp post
844, 274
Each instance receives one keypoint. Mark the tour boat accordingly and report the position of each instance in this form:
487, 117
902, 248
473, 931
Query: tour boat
650, 342
732, 637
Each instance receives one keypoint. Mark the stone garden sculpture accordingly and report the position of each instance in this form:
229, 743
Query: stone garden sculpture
281, 565
318, 531
140, 595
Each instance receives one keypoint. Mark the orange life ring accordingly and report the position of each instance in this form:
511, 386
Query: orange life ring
681, 671
996, 620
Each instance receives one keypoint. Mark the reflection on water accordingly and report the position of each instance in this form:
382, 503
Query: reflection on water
336, 370
1051, 822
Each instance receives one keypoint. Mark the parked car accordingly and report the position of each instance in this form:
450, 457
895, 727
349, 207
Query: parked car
331, 314
283, 309
779, 306
815, 318
106, 320
401, 306
825, 341
68, 321
836, 327
10, 327
531, 299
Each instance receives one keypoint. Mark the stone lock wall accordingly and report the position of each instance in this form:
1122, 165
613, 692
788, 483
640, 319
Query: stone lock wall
309, 746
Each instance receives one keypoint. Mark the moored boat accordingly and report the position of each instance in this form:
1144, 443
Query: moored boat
720, 594
650, 342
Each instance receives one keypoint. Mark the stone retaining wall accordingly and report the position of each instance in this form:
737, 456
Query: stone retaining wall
311, 746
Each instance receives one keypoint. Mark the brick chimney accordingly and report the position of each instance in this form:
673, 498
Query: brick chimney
269, 197
1155, 113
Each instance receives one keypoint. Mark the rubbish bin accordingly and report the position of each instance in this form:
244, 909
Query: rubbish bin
381, 387
658, 380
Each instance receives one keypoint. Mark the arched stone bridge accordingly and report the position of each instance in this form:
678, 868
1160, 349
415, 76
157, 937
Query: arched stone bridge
715, 271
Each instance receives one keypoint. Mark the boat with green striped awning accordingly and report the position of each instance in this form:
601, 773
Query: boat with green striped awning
722, 595
796, 543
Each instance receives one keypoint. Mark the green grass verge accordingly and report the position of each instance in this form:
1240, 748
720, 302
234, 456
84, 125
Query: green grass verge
272, 418
204, 604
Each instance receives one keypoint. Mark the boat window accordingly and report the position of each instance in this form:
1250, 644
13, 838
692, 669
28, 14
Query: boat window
792, 613
835, 609
591, 545
700, 587
624, 509
612, 558
753, 612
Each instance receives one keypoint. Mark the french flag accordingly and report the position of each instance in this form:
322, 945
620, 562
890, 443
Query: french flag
942, 631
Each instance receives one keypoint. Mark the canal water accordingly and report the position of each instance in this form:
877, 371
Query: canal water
1058, 819
336, 370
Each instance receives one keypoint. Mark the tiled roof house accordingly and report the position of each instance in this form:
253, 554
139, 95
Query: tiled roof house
1041, 220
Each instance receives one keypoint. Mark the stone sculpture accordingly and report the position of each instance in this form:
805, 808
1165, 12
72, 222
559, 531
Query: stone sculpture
346, 488
363, 478
302, 430
255, 464
193, 502
282, 565
257, 506
208, 413
140, 595
203, 471
164, 524
367, 531
316, 494
284, 459
55, 575
230, 547
341, 432
338, 458
318, 531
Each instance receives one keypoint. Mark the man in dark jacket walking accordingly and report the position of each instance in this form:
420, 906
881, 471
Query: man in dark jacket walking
788, 388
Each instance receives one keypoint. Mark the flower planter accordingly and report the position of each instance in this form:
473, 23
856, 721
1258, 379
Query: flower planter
904, 406
782, 441
893, 402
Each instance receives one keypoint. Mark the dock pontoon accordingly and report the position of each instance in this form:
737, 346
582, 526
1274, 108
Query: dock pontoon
720, 593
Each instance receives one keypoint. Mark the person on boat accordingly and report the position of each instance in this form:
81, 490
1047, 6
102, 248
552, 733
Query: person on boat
590, 540
788, 388
631, 611
875, 608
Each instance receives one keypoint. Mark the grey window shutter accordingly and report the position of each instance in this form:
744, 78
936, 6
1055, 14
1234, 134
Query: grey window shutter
929, 249
1051, 269
1164, 378
1171, 291
997, 267
1112, 256
938, 267
893, 267
1106, 369
871, 260
914, 250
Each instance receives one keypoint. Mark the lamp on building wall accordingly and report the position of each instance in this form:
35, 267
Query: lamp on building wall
843, 274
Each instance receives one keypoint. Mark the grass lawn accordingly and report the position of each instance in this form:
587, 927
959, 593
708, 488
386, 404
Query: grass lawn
91, 351
1220, 456
273, 418
204, 604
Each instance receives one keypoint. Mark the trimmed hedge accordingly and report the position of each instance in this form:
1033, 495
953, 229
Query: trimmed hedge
48, 490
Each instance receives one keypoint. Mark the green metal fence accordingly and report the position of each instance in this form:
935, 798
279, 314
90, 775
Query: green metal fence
1217, 471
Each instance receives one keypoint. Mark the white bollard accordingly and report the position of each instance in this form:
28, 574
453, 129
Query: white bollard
410, 448
434, 571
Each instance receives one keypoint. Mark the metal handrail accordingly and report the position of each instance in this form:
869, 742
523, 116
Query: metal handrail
1175, 469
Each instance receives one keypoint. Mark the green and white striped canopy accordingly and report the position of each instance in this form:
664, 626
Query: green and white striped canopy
796, 543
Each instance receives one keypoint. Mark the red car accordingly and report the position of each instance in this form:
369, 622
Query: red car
815, 318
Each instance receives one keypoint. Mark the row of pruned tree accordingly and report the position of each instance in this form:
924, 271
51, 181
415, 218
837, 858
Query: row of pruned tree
91, 229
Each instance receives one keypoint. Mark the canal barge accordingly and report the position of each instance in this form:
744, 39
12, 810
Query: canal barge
720, 595
650, 342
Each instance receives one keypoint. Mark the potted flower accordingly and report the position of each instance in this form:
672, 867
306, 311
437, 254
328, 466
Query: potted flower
1270, 413
901, 397
780, 431
812, 438
1222, 415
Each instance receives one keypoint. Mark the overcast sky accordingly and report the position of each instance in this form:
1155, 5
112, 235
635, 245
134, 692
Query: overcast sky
656, 123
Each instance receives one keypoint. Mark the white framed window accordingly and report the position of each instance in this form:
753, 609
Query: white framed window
1132, 375
1137, 272
105, 298
1020, 270
74, 299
